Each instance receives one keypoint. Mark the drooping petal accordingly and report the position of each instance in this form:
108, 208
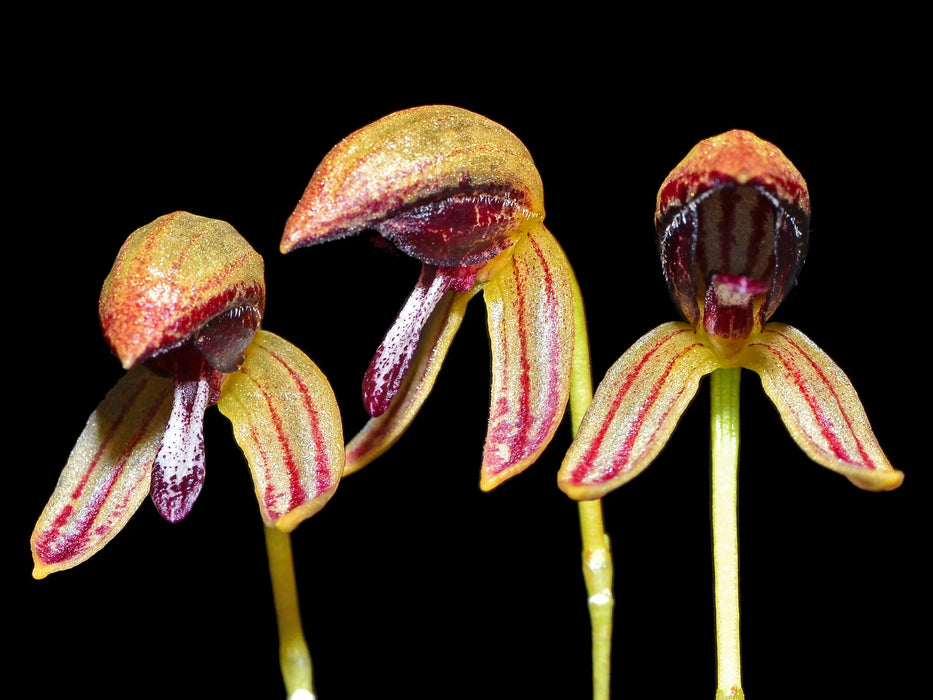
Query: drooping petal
529, 307
635, 409
819, 406
286, 420
390, 363
379, 434
107, 474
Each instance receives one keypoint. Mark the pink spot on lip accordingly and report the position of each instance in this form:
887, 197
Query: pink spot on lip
742, 284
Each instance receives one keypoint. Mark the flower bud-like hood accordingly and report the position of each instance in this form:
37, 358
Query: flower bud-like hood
182, 277
446, 185
732, 224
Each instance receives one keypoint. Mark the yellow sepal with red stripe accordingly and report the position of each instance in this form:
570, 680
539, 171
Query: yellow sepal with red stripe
819, 406
635, 409
530, 315
107, 475
286, 420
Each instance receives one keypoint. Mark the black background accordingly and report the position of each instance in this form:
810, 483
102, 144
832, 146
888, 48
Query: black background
413, 582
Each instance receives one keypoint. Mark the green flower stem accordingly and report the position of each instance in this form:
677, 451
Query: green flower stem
724, 446
597, 572
597, 558
294, 657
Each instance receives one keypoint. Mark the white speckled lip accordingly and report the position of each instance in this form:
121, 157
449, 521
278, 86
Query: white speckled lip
392, 358
178, 471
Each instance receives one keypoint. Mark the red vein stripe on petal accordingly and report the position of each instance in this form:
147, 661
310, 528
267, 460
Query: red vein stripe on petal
530, 318
278, 500
809, 393
635, 409
819, 406
107, 474
286, 420
323, 476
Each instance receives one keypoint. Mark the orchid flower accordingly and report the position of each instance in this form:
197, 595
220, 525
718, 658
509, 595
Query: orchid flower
461, 194
732, 222
181, 310
732, 229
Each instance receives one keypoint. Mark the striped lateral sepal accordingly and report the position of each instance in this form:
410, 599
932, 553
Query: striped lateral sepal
637, 405
529, 306
286, 420
635, 409
819, 406
107, 475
